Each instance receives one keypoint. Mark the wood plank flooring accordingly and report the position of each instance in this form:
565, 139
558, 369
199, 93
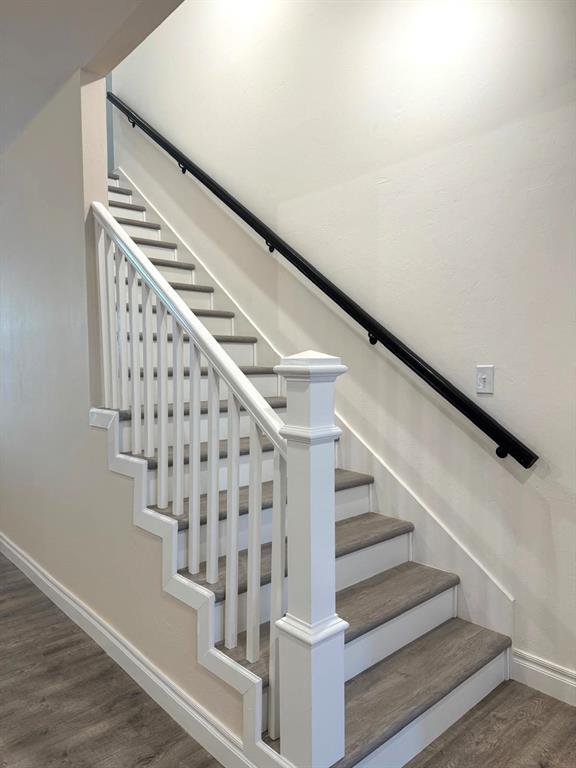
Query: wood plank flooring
65, 704
514, 727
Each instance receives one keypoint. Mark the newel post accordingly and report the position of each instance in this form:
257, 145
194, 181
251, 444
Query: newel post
311, 635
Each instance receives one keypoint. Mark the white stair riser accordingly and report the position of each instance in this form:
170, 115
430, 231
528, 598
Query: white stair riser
175, 275
266, 385
126, 427
242, 354
416, 736
216, 325
118, 198
356, 557
369, 649
350, 498
351, 569
242, 537
113, 183
197, 299
135, 231
127, 213
244, 464
154, 252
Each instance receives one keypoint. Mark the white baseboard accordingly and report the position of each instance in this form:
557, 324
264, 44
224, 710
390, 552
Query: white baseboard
544, 675
212, 735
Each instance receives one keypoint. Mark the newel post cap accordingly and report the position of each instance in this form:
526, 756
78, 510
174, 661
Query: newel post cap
311, 365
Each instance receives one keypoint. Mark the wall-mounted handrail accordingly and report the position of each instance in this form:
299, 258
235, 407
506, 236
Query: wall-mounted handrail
507, 443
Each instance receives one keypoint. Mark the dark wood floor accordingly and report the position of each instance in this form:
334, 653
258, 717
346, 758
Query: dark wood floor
65, 704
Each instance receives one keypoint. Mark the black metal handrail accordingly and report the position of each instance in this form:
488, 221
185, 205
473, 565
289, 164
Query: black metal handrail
507, 444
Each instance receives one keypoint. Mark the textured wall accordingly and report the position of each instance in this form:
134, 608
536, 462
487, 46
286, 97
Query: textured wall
422, 155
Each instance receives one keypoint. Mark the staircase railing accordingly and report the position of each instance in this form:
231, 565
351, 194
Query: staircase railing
506, 442
149, 362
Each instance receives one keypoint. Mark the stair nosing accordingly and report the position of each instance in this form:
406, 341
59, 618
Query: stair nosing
148, 241
126, 206
171, 263
200, 312
120, 191
137, 223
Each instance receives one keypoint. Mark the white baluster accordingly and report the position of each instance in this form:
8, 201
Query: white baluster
254, 545
213, 499
194, 465
162, 374
113, 317
178, 420
148, 365
122, 342
232, 514
277, 596
135, 360
102, 244
311, 635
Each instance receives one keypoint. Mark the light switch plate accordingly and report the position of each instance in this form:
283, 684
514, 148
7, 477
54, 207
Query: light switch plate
485, 379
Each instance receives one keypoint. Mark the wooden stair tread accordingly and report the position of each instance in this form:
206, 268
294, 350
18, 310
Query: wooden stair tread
373, 528
247, 370
113, 177
126, 206
200, 312
221, 338
384, 699
267, 446
365, 605
274, 402
171, 263
193, 287
120, 190
155, 243
137, 223
343, 480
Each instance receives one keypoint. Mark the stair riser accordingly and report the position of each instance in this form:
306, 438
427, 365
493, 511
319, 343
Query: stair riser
174, 275
154, 252
197, 299
266, 385
135, 231
125, 428
113, 183
351, 498
242, 354
369, 649
216, 325
244, 465
116, 197
416, 736
127, 213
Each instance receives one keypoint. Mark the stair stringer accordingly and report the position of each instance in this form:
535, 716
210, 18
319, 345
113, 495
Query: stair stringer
249, 751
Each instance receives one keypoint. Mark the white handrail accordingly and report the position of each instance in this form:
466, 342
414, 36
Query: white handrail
250, 398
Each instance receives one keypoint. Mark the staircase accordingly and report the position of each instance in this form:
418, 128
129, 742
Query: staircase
217, 462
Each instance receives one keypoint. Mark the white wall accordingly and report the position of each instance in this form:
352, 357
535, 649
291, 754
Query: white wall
422, 155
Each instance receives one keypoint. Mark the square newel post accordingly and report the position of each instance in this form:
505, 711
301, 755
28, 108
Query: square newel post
311, 635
